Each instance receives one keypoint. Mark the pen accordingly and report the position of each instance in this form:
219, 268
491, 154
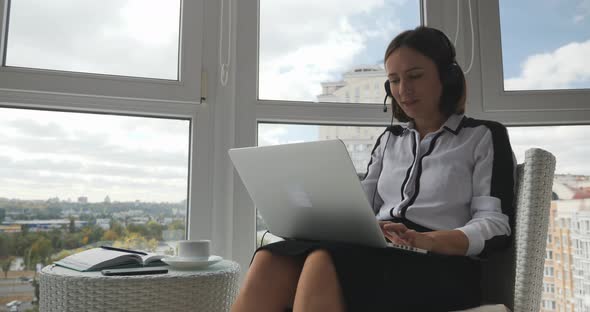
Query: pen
123, 250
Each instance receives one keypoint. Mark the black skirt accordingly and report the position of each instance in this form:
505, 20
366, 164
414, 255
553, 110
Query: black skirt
388, 279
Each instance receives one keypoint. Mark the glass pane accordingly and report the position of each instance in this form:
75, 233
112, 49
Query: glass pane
138, 38
548, 49
328, 51
71, 181
358, 140
567, 271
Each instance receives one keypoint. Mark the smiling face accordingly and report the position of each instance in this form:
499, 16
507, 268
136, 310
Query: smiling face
415, 84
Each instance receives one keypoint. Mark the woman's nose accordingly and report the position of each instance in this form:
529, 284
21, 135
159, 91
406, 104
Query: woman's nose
405, 87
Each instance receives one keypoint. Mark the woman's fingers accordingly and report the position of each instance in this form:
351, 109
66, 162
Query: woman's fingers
383, 223
394, 238
398, 228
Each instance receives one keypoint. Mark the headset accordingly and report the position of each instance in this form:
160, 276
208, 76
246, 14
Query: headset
451, 77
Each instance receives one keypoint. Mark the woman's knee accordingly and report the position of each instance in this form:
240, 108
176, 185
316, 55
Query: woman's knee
271, 263
320, 257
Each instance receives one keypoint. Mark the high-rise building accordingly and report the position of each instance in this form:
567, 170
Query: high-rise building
362, 84
566, 284
581, 256
558, 286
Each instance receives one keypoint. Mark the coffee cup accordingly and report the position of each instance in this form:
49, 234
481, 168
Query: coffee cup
194, 249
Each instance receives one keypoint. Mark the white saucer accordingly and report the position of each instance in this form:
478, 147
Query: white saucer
190, 263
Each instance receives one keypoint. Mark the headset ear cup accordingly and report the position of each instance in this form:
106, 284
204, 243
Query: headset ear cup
388, 88
453, 85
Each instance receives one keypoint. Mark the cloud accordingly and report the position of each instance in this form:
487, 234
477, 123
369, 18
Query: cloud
46, 154
271, 134
110, 36
583, 11
317, 41
569, 144
559, 69
31, 128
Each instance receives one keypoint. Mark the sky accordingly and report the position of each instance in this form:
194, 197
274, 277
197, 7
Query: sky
302, 43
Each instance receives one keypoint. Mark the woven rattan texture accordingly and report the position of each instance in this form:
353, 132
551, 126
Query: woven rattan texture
532, 219
514, 276
212, 289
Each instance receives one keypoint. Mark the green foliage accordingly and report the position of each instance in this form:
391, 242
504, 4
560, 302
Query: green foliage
177, 225
5, 265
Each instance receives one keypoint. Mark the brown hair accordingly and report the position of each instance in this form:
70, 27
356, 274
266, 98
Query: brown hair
435, 45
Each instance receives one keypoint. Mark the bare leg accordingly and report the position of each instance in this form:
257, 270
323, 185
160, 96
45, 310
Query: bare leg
318, 288
269, 285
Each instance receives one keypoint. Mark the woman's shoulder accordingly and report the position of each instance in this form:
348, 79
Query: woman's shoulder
494, 126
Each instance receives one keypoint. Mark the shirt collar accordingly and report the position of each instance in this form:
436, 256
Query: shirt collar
453, 124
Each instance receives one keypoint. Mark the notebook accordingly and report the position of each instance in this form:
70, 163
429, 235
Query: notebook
309, 191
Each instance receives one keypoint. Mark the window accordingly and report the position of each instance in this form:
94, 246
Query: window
299, 63
127, 38
73, 181
554, 56
535, 76
131, 48
97, 139
279, 96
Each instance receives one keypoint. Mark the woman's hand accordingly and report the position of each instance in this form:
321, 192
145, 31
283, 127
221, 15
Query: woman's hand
448, 242
398, 233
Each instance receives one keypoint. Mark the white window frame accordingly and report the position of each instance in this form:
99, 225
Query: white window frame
522, 107
252, 111
187, 89
485, 97
105, 94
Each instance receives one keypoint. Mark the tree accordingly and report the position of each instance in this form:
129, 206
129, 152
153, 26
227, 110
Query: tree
41, 250
5, 264
110, 235
2, 214
72, 225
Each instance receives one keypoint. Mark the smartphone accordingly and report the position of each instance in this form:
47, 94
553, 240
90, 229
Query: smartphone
134, 271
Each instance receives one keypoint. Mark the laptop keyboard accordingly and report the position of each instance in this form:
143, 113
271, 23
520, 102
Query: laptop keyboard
408, 248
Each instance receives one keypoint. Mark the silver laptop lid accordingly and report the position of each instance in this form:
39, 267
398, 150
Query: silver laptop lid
308, 191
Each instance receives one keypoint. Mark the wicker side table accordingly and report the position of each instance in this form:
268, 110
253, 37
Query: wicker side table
210, 289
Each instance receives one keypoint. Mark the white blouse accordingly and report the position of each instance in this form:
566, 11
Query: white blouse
459, 177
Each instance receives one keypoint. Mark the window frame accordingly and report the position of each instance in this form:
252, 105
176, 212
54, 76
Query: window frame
144, 98
489, 102
526, 106
252, 111
156, 91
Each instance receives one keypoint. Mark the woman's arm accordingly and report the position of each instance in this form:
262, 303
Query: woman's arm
448, 242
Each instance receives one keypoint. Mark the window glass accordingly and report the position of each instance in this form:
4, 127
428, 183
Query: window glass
71, 181
138, 38
557, 37
327, 51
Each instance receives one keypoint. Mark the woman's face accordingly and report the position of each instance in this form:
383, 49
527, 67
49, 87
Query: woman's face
415, 83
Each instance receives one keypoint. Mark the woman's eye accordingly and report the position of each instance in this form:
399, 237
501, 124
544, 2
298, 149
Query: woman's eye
394, 81
415, 76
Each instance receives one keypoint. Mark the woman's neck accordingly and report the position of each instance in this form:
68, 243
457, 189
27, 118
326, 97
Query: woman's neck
426, 126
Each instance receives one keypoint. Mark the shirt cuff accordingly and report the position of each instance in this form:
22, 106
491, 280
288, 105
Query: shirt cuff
475, 238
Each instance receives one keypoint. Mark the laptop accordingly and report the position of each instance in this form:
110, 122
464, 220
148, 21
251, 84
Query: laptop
309, 191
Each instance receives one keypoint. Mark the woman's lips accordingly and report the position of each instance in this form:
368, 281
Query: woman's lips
409, 102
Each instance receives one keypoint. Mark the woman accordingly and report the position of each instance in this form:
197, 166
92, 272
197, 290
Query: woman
444, 183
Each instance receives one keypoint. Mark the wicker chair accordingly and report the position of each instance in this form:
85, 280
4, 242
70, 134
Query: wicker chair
514, 277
